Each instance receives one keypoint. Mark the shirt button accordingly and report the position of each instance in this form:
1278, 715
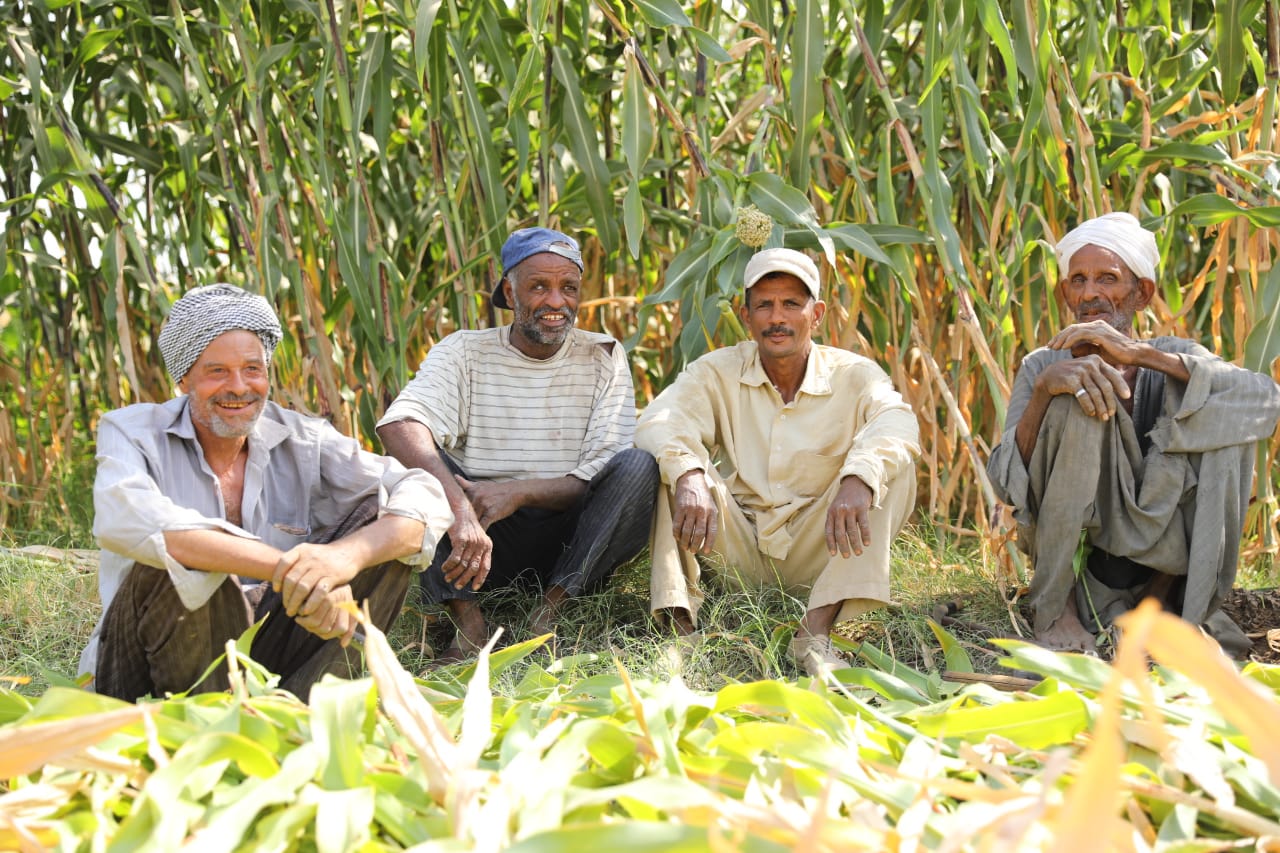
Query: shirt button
784, 417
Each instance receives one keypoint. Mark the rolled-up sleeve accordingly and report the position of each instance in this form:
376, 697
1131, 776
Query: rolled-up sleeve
679, 426
349, 473
131, 516
889, 440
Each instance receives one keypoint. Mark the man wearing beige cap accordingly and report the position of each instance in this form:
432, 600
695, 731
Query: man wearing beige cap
782, 461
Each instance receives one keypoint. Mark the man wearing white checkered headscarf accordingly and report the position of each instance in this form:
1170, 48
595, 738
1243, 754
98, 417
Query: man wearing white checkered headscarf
220, 505
1147, 446
204, 313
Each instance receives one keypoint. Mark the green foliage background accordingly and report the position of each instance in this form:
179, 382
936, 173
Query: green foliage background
361, 162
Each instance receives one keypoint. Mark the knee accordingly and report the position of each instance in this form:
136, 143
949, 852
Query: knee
636, 466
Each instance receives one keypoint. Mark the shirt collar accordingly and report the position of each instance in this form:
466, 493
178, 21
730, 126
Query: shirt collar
817, 378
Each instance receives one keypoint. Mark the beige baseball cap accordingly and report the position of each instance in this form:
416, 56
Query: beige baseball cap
787, 261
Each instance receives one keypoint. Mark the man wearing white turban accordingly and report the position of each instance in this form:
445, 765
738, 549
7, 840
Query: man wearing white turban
1145, 447
219, 507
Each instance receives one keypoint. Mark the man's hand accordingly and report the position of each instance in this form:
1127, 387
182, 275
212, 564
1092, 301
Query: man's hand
848, 527
694, 522
492, 501
471, 556
1095, 384
308, 573
331, 619
1099, 338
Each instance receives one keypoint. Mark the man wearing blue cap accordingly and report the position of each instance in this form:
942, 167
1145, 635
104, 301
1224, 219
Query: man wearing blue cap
530, 427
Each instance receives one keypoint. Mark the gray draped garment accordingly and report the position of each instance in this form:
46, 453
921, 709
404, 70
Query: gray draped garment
1166, 487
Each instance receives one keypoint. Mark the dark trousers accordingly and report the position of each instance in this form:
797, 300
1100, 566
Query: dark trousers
576, 549
151, 644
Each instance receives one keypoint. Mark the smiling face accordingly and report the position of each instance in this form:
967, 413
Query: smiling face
228, 385
1100, 286
781, 315
543, 292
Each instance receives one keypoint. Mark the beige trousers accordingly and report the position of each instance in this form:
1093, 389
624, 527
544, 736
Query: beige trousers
859, 582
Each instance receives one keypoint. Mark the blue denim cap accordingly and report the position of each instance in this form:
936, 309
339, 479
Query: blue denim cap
527, 242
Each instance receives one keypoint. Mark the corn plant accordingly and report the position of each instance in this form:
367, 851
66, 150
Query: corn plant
360, 163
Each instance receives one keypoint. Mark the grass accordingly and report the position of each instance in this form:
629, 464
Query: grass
49, 606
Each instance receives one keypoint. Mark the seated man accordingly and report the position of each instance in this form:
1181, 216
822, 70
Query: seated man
1145, 446
529, 427
219, 483
787, 461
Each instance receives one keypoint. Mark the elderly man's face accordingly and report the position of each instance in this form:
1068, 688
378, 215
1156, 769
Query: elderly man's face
544, 297
781, 314
1100, 286
228, 385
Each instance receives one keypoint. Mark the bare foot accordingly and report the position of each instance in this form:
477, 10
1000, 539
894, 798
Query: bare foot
680, 620
545, 615
1067, 633
471, 634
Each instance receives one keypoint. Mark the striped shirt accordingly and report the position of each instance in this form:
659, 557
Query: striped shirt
501, 415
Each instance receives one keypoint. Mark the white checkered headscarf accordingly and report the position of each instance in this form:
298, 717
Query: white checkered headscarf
205, 313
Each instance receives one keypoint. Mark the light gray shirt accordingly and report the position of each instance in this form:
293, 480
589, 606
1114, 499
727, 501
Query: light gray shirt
501, 415
302, 477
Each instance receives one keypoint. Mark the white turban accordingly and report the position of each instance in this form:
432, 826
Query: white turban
207, 312
1118, 232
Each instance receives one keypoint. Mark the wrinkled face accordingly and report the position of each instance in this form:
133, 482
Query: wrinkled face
228, 385
781, 315
1100, 286
543, 293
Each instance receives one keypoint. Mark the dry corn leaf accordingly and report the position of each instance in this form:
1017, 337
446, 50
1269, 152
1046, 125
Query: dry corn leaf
26, 748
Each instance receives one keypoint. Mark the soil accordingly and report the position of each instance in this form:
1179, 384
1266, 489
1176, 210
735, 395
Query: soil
1257, 611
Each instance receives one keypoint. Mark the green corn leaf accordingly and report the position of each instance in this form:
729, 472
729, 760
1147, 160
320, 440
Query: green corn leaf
1032, 724
808, 48
634, 219
581, 137
1263, 344
423, 21
788, 205
637, 118
708, 46
662, 13
1232, 19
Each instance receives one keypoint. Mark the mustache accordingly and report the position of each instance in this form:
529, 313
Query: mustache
779, 329
250, 397
1093, 305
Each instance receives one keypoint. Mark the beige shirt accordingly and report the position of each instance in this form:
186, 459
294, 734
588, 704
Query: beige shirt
777, 459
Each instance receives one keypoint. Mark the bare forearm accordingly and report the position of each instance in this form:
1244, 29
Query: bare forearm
389, 538
218, 551
1029, 424
415, 447
1165, 362
556, 493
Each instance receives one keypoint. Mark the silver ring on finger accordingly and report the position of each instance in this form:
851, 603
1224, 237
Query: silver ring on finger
1082, 392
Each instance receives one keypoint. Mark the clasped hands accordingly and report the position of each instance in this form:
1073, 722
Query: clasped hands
471, 555
1094, 376
314, 584
695, 518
